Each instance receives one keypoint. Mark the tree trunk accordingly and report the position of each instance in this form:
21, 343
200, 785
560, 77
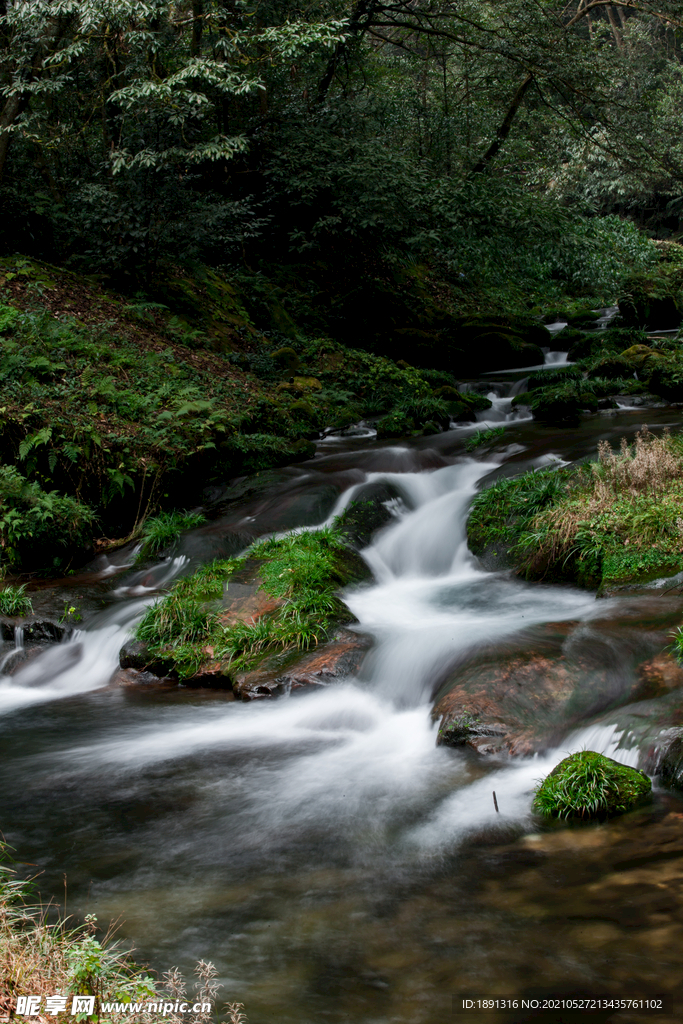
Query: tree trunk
14, 107
197, 27
504, 130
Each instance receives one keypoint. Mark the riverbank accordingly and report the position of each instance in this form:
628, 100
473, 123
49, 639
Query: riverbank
611, 522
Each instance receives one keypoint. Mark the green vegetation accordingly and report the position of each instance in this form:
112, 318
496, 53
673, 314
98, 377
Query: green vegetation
589, 785
616, 520
44, 954
484, 438
163, 530
303, 572
13, 600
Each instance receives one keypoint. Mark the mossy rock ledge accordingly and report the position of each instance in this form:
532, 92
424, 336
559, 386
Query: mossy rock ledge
588, 785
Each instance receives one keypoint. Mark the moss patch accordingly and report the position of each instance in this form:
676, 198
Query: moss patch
189, 630
589, 785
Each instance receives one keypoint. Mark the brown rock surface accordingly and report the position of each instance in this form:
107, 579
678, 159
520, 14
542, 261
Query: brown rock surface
329, 663
525, 700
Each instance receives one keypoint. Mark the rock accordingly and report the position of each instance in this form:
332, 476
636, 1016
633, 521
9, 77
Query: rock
670, 767
134, 654
370, 510
331, 662
589, 785
286, 359
560, 676
36, 631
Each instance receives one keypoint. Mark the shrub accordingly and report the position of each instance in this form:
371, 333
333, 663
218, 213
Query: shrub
13, 600
590, 785
40, 528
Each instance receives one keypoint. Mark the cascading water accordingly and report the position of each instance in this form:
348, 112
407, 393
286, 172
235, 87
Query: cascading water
281, 839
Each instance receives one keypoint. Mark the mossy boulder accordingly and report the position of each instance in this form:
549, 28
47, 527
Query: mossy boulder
641, 356
611, 368
584, 318
588, 785
286, 359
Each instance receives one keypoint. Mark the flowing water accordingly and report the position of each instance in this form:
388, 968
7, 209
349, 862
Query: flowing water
329, 858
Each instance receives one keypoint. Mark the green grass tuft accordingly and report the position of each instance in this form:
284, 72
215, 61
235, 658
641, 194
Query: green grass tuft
590, 785
164, 529
13, 600
484, 438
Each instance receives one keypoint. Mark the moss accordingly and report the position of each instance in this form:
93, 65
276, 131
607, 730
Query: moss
589, 785
184, 631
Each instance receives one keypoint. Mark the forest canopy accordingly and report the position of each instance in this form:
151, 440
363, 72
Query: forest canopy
483, 137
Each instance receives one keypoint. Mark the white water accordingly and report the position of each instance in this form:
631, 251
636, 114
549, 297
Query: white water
357, 761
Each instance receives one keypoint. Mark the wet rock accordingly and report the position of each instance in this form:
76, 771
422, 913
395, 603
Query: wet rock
329, 663
670, 767
136, 655
524, 701
35, 631
589, 785
373, 507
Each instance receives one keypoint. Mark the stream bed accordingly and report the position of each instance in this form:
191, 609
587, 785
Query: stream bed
322, 851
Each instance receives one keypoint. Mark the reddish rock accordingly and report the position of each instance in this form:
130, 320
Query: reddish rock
329, 663
526, 701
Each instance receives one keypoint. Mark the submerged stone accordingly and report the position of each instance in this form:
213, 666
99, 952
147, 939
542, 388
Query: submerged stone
589, 785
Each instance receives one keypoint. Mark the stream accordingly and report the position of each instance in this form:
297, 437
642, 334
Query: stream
332, 861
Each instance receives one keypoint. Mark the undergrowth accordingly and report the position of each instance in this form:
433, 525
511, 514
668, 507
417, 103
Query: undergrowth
44, 954
14, 600
615, 520
163, 530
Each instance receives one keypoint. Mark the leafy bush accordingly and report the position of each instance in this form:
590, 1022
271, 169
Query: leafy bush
590, 785
13, 600
40, 528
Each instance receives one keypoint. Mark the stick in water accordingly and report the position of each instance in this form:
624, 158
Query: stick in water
495, 802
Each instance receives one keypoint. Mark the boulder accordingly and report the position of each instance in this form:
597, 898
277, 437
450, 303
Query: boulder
330, 663
370, 510
670, 767
588, 785
136, 655
561, 675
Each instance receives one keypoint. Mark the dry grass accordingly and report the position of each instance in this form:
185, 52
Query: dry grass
629, 499
647, 467
41, 954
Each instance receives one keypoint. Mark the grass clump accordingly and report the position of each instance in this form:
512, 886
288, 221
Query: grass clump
164, 529
42, 954
302, 571
589, 785
616, 520
484, 438
14, 601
